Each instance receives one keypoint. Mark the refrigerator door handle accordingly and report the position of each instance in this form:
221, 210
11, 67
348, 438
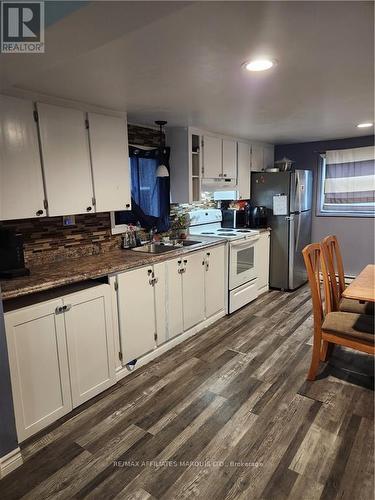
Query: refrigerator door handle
298, 233
298, 189
291, 233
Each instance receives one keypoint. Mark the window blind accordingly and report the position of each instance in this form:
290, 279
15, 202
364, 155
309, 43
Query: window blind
348, 181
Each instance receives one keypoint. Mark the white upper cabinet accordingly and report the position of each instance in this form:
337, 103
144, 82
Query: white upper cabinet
66, 160
229, 159
243, 162
212, 157
110, 162
256, 157
21, 181
268, 156
262, 156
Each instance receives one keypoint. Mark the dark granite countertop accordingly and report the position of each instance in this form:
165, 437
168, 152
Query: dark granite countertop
53, 275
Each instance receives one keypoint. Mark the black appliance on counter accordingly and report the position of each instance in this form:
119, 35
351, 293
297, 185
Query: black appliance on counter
12, 262
259, 217
234, 218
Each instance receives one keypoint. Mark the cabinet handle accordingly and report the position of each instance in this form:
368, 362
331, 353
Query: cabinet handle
208, 254
39, 212
224, 175
88, 209
67, 307
59, 310
127, 205
179, 262
185, 261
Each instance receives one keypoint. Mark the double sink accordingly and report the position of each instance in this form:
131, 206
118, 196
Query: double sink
160, 247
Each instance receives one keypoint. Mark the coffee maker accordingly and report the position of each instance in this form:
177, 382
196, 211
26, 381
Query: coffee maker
12, 262
259, 217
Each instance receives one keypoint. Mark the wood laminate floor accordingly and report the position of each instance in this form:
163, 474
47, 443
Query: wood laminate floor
225, 415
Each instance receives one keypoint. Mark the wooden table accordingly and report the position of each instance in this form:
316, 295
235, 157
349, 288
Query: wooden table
363, 286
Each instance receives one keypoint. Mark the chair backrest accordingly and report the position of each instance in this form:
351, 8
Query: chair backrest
316, 269
335, 268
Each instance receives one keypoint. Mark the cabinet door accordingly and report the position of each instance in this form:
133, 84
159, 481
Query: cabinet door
38, 366
110, 162
160, 290
243, 163
256, 157
89, 333
262, 256
21, 182
193, 289
136, 313
215, 280
212, 157
268, 156
229, 159
66, 160
174, 297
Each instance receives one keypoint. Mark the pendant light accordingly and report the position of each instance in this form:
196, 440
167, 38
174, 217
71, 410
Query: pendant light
162, 170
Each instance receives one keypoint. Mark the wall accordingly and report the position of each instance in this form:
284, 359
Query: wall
47, 240
356, 234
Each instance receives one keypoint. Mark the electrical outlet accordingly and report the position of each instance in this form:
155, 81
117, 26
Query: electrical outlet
69, 220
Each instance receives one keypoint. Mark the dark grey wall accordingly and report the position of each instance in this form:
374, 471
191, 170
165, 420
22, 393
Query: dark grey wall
356, 234
8, 435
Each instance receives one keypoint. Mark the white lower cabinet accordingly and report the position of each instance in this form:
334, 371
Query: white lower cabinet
89, 334
214, 287
136, 306
59, 356
193, 289
157, 303
263, 261
173, 297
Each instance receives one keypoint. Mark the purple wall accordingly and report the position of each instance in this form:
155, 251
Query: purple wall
356, 234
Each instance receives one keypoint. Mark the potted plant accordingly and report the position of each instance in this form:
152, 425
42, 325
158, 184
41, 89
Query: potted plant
180, 225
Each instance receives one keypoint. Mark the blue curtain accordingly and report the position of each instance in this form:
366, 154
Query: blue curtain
150, 194
145, 184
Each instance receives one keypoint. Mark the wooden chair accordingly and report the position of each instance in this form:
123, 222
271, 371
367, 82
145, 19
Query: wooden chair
335, 269
331, 327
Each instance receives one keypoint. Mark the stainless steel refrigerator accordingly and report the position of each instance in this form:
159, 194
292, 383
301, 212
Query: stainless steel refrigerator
291, 231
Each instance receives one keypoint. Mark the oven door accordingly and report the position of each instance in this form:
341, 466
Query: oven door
242, 262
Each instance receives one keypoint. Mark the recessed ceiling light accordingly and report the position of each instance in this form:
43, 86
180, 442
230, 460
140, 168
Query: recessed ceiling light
259, 64
365, 125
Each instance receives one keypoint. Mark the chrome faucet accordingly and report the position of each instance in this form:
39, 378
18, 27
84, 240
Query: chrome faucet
151, 234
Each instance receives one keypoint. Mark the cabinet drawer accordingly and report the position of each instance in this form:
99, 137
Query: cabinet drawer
242, 295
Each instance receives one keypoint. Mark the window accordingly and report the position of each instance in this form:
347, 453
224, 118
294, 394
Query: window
150, 194
347, 183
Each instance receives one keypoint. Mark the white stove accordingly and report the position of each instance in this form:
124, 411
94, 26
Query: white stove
208, 223
241, 255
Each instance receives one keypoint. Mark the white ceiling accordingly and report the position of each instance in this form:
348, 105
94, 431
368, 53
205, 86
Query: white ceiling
181, 61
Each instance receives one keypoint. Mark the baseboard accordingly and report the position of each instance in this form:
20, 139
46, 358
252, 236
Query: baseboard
150, 356
263, 290
10, 462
